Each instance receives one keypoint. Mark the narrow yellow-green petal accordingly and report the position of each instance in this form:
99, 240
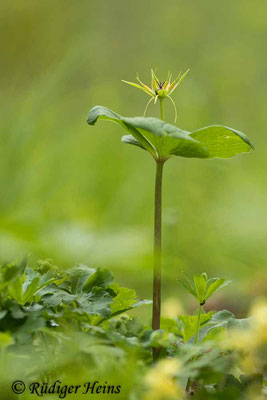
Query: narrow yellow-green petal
138, 87
180, 79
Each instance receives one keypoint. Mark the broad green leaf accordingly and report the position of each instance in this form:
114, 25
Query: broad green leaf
190, 323
99, 112
222, 320
222, 142
215, 285
78, 277
124, 299
102, 277
97, 302
130, 139
163, 140
53, 296
156, 136
167, 139
240, 324
218, 320
201, 286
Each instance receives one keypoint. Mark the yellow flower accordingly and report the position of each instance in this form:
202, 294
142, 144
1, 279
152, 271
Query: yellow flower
259, 315
159, 90
171, 308
161, 382
251, 343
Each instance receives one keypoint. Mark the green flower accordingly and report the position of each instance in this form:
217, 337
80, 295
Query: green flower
160, 90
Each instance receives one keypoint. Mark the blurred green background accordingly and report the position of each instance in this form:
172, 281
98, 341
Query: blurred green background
74, 193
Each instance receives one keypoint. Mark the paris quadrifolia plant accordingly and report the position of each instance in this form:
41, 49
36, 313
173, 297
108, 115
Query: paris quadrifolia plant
162, 141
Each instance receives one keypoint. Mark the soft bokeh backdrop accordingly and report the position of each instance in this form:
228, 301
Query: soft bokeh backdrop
74, 193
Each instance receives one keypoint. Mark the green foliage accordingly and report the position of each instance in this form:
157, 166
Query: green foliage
163, 140
189, 324
73, 325
218, 322
45, 297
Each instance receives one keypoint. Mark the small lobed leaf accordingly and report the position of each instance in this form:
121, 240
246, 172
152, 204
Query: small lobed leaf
214, 285
201, 287
188, 284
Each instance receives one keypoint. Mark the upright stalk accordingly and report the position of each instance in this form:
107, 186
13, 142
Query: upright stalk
157, 252
161, 108
157, 244
198, 323
189, 382
157, 248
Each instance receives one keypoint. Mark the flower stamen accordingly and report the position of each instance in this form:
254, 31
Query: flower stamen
159, 90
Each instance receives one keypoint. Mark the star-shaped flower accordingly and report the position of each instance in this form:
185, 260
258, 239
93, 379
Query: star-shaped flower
159, 90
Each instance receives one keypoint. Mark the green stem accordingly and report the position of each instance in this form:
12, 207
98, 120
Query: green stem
157, 245
157, 252
196, 340
161, 108
198, 323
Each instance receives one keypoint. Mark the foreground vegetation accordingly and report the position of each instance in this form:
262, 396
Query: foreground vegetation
71, 326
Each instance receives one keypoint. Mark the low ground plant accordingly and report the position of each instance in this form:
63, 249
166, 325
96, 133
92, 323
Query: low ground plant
69, 327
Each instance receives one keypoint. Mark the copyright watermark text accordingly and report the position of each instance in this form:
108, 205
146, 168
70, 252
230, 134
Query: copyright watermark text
62, 390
